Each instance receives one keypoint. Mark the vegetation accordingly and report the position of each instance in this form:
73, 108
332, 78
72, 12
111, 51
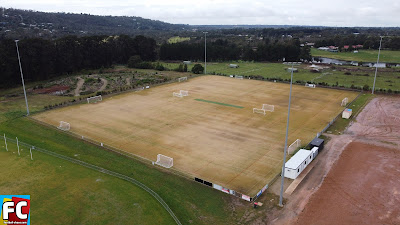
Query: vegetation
198, 69
362, 55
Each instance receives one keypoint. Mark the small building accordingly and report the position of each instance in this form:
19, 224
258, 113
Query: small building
314, 152
347, 113
233, 66
187, 62
298, 163
317, 142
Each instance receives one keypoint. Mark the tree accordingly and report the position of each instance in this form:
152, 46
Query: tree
134, 61
198, 69
185, 68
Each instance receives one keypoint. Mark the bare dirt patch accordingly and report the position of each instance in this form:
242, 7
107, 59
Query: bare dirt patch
362, 188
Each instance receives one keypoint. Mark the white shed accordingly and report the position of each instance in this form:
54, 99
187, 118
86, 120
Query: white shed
298, 163
233, 66
347, 113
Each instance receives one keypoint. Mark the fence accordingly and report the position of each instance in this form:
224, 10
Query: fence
99, 169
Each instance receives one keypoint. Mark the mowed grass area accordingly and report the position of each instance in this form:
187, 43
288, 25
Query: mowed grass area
387, 56
65, 193
191, 202
387, 78
226, 145
177, 39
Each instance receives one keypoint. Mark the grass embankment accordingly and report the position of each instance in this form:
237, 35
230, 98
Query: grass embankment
65, 193
362, 55
177, 39
340, 124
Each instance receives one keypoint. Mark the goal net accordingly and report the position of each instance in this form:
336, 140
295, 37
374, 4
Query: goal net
239, 77
345, 101
182, 79
310, 85
175, 94
295, 145
94, 99
267, 107
184, 93
261, 111
164, 161
64, 126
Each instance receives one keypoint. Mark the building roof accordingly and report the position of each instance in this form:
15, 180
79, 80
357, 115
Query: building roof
298, 159
317, 141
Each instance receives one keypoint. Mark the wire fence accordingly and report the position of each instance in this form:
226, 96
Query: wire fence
99, 169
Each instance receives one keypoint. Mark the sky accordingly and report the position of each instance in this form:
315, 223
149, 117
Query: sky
383, 13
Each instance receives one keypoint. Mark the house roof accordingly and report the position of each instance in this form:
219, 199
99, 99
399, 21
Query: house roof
298, 159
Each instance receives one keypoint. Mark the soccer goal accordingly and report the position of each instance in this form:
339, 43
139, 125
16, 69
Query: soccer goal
261, 111
64, 126
184, 93
267, 107
175, 94
345, 101
295, 145
180, 79
164, 161
94, 99
238, 77
310, 85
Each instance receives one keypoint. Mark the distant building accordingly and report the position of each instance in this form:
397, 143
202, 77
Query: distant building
233, 66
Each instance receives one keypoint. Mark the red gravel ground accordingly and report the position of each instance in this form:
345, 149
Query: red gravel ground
51, 89
363, 187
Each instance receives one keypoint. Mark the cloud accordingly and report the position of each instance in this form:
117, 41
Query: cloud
293, 12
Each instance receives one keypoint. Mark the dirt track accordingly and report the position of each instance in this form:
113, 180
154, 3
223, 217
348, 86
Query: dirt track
363, 186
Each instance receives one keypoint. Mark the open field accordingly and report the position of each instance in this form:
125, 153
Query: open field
65, 193
350, 195
387, 78
362, 55
203, 138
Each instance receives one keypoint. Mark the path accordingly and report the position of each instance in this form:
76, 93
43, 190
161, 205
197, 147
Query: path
105, 82
128, 81
79, 86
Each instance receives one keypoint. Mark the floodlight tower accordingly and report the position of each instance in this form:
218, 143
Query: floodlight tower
205, 52
376, 65
286, 139
22, 78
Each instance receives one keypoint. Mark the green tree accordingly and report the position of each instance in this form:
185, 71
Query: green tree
134, 61
198, 69
185, 68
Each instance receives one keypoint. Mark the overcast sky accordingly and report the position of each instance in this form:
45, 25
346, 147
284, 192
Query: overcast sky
232, 12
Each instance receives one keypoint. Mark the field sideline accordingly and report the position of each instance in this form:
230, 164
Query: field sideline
204, 138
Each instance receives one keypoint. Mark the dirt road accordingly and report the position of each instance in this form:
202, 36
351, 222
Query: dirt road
79, 86
363, 186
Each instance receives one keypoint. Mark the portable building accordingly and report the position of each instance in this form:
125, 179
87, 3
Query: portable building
298, 163
347, 113
317, 142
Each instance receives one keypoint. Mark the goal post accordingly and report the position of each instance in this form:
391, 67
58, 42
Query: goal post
261, 111
175, 94
184, 93
310, 85
180, 79
345, 101
64, 126
296, 144
238, 77
164, 161
94, 99
267, 107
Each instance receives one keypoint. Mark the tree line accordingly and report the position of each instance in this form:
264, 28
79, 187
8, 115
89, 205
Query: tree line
44, 59
223, 50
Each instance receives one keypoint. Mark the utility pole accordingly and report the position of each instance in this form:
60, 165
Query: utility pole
205, 52
376, 65
286, 140
22, 78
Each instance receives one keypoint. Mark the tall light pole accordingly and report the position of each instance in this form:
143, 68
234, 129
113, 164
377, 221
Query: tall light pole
205, 52
22, 78
376, 65
286, 139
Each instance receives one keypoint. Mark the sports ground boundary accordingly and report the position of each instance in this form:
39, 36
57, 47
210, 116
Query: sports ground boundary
102, 170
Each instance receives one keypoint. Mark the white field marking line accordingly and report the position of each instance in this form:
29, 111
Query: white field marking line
322, 75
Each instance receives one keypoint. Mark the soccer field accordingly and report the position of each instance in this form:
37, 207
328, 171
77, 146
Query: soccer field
212, 133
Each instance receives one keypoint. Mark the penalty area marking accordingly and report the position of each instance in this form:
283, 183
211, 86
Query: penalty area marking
219, 103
